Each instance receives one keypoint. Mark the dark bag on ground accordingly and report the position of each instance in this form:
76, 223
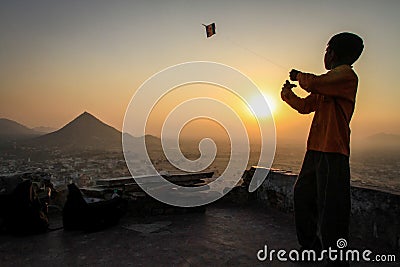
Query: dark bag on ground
23, 212
80, 215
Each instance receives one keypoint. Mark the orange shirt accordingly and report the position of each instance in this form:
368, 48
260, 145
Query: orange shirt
332, 99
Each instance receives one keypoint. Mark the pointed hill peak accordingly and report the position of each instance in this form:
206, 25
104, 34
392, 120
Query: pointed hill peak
85, 120
84, 132
86, 114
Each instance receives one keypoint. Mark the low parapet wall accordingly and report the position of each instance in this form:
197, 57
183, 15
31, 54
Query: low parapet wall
375, 214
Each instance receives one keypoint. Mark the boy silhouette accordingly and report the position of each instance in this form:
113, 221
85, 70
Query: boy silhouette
322, 188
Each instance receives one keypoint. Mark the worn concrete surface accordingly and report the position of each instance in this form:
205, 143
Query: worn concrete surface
225, 235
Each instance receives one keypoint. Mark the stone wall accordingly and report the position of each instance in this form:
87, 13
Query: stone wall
375, 214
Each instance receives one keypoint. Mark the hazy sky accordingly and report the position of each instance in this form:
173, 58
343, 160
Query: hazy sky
60, 58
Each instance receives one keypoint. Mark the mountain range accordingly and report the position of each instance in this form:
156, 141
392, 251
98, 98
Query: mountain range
88, 132
10, 129
85, 132
384, 137
383, 141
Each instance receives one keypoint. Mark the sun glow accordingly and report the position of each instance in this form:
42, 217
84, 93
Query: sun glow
263, 110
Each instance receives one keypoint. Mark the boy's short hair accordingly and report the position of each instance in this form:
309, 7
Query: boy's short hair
347, 47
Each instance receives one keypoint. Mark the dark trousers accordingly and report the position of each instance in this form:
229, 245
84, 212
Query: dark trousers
322, 200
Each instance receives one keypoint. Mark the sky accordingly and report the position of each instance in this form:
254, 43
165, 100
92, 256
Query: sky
61, 58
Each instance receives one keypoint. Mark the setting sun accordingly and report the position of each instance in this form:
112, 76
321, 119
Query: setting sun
257, 102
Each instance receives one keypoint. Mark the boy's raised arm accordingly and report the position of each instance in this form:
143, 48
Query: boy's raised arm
302, 105
339, 82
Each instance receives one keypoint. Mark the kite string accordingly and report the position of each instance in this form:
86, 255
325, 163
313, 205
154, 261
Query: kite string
283, 68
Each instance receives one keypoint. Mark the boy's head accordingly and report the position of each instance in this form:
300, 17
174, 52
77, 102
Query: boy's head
343, 48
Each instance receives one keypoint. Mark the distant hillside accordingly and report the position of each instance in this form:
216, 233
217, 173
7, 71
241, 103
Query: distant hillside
44, 129
84, 132
10, 127
12, 130
384, 138
379, 142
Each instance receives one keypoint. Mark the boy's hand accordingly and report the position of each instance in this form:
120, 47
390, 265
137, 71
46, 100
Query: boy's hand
287, 86
293, 74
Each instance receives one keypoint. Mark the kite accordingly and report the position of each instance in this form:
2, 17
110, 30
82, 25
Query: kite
210, 29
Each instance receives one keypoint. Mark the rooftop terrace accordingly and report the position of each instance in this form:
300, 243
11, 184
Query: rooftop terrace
229, 233
225, 235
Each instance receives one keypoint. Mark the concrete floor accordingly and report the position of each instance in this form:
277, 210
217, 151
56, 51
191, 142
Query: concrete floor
223, 236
